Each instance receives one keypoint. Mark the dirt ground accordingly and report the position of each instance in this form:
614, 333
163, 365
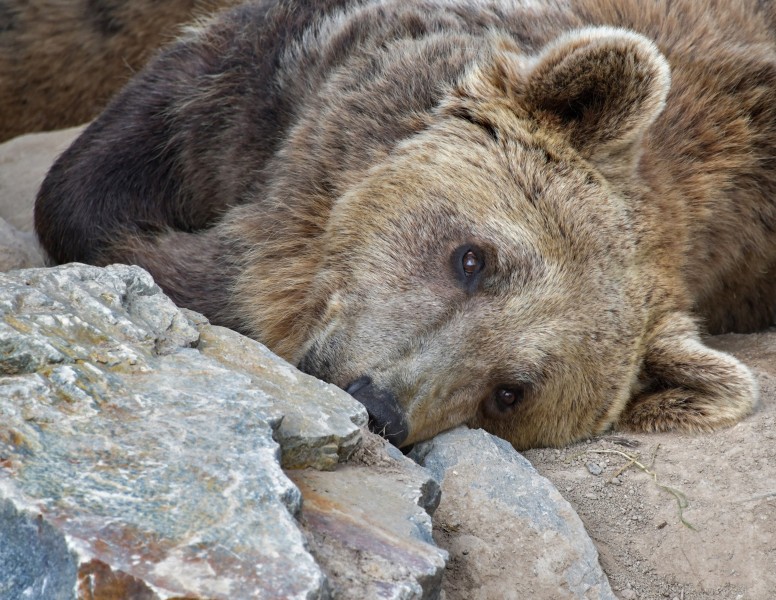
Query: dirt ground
700, 522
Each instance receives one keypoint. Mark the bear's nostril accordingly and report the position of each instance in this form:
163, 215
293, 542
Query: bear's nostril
360, 383
386, 416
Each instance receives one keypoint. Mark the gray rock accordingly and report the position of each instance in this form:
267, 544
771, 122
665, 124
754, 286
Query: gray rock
369, 525
18, 249
153, 462
35, 561
118, 320
594, 468
317, 434
505, 526
24, 162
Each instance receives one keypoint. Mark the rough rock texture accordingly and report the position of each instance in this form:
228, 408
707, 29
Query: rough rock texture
154, 462
369, 525
509, 532
141, 450
315, 434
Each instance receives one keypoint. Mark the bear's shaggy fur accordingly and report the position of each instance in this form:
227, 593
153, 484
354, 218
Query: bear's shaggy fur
60, 62
516, 214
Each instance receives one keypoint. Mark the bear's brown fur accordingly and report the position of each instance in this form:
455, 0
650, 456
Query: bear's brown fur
60, 62
516, 215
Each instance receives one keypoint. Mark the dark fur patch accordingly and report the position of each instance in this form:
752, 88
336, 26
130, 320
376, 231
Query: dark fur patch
8, 18
105, 15
466, 115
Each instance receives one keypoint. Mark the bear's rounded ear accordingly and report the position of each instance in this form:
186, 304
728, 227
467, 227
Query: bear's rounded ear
601, 87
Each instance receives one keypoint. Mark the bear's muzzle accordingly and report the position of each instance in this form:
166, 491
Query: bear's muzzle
386, 416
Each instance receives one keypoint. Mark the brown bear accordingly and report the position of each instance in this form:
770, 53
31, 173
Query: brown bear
60, 62
513, 214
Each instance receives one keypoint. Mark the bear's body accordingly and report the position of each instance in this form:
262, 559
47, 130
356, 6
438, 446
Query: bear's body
492, 213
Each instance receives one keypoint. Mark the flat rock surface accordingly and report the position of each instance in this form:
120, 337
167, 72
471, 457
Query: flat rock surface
18, 249
154, 462
24, 162
315, 434
369, 525
726, 481
509, 532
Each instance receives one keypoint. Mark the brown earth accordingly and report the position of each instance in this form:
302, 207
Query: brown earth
726, 482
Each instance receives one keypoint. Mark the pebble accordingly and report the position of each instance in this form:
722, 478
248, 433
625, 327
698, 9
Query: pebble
628, 595
594, 468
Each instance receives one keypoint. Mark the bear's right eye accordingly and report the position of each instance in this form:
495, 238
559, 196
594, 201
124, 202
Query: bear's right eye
503, 400
468, 262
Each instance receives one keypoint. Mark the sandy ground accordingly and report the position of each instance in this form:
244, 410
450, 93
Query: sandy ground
725, 483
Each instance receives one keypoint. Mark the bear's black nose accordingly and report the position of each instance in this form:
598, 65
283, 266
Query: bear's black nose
385, 415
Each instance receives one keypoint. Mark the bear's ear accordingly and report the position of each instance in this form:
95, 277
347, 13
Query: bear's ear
602, 87
687, 385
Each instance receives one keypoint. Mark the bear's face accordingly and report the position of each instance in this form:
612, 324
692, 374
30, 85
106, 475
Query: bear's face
477, 277
489, 271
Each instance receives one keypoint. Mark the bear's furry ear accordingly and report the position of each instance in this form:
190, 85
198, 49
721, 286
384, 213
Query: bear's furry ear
687, 385
601, 87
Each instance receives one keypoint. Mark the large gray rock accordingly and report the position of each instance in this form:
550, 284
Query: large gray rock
119, 332
139, 459
370, 528
315, 434
509, 532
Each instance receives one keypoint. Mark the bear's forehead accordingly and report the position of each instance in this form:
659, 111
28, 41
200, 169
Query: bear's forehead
478, 173
534, 202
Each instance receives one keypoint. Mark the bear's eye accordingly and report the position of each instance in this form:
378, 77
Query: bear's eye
468, 263
503, 400
507, 397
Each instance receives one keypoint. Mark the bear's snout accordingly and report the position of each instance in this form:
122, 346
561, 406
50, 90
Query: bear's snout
386, 416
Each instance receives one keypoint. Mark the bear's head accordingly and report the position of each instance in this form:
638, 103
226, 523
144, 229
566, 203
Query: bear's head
491, 270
